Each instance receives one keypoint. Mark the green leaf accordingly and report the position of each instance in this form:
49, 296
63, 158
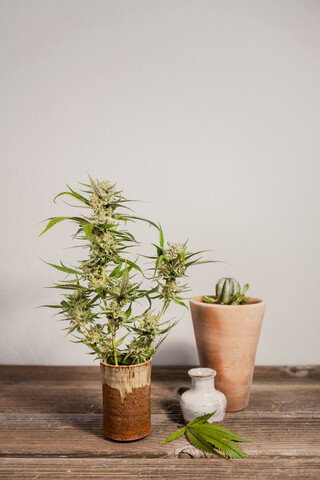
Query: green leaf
69, 286
161, 237
49, 306
78, 196
122, 359
123, 218
88, 229
201, 262
201, 443
209, 438
209, 300
175, 435
159, 249
134, 217
120, 341
160, 342
180, 302
159, 259
52, 222
72, 194
201, 419
210, 428
125, 280
134, 265
94, 186
189, 255
225, 445
63, 268
245, 288
116, 272
169, 327
124, 235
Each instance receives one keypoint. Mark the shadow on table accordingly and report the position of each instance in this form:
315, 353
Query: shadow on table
172, 406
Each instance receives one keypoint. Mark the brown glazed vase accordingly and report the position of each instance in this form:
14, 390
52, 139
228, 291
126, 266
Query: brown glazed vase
126, 391
227, 339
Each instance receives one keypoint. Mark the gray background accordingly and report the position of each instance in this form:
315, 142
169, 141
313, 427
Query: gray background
207, 110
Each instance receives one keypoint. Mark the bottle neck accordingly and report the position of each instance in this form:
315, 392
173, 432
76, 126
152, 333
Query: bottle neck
204, 384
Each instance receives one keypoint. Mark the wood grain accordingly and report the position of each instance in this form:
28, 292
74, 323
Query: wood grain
51, 427
157, 469
36, 389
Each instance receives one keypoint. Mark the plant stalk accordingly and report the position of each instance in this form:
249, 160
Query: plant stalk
114, 345
113, 335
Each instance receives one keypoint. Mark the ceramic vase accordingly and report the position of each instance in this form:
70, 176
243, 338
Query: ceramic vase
126, 391
203, 398
227, 338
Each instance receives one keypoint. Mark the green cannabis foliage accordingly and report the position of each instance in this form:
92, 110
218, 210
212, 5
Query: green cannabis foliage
102, 292
211, 438
228, 292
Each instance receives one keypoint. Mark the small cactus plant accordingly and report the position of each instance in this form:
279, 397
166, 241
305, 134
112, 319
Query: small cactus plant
228, 292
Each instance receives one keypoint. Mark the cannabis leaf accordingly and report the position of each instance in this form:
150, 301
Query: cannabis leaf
211, 438
175, 435
201, 419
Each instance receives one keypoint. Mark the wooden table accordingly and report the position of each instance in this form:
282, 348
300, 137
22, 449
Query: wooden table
51, 428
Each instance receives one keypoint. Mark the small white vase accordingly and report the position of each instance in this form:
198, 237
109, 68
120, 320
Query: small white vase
203, 398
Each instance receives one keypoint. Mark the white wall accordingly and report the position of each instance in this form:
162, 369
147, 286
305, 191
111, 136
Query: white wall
209, 110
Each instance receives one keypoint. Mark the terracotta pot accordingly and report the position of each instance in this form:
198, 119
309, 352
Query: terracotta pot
227, 339
126, 401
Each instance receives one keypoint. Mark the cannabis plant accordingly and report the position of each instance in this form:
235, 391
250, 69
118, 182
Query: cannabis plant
103, 293
228, 292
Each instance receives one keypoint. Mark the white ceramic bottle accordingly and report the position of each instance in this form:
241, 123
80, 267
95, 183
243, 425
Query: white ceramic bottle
203, 398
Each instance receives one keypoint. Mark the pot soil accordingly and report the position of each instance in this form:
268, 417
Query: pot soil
227, 339
126, 393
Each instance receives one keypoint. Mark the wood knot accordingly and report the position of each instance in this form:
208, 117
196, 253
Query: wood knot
188, 451
298, 371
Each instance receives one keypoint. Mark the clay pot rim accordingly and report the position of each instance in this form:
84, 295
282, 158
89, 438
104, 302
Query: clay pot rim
125, 366
254, 301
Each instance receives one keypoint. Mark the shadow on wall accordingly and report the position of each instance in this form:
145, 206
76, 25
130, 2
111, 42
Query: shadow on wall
181, 353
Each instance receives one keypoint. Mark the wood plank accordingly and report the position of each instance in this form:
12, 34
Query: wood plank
81, 436
33, 394
88, 399
51, 427
11, 374
157, 469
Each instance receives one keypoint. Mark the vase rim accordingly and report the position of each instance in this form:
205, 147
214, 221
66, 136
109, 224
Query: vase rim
202, 372
126, 366
252, 302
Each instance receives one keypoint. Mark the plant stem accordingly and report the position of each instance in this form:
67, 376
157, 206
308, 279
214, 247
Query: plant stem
160, 315
113, 335
114, 345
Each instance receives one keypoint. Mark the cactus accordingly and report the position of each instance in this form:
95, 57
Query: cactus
228, 292
226, 288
